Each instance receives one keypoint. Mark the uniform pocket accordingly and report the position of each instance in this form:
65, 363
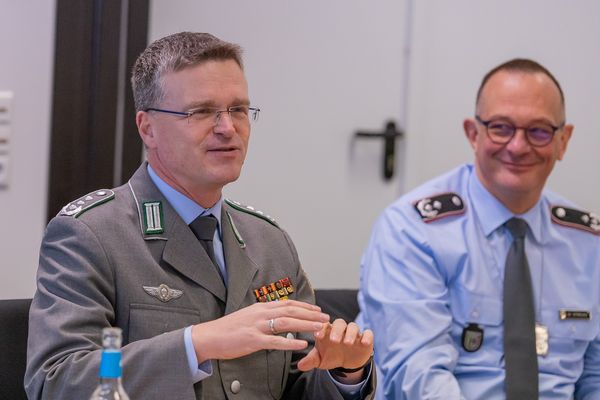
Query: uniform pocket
584, 330
469, 307
149, 320
480, 345
569, 339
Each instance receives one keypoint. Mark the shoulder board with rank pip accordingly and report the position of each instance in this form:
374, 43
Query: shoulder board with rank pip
251, 210
439, 206
573, 218
77, 207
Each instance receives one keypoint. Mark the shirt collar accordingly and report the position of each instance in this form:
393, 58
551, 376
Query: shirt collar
185, 207
492, 214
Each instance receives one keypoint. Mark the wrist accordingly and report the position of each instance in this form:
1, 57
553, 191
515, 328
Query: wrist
345, 372
351, 378
201, 343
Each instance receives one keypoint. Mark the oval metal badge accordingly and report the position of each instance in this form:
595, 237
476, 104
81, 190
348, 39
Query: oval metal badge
472, 338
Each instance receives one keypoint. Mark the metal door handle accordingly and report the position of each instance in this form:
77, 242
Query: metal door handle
389, 135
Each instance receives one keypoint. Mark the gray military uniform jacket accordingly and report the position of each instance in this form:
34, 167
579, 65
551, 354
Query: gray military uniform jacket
93, 268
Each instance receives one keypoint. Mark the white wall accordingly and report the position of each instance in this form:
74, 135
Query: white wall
453, 44
26, 64
319, 71
457, 42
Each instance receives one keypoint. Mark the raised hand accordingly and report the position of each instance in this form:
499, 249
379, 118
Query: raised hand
339, 345
254, 328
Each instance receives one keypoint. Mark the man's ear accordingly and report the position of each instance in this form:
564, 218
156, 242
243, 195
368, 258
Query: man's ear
564, 138
471, 132
145, 128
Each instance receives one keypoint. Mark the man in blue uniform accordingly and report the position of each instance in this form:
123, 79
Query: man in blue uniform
437, 279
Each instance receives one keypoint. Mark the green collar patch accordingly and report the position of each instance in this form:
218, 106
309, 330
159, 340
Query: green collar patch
153, 217
251, 210
238, 237
77, 207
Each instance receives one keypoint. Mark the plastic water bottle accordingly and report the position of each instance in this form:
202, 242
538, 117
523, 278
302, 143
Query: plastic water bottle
110, 387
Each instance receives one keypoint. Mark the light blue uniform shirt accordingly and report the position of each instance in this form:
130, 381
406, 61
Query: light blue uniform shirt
189, 210
423, 283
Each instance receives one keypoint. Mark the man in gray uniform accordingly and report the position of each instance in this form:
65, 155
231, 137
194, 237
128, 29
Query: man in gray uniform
194, 281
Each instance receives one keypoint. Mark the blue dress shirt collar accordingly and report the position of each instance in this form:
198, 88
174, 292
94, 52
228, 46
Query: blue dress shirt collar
494, 214
185, 207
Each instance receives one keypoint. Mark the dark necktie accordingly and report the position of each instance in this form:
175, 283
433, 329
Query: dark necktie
519, 320
204, 228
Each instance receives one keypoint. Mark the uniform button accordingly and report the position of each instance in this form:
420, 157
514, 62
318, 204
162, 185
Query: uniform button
236, 386
290, 335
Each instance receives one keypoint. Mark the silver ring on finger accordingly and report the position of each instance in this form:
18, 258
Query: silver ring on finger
272, 326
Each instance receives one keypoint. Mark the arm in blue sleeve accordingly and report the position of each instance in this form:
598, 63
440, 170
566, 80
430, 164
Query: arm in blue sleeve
588, 385
405, 301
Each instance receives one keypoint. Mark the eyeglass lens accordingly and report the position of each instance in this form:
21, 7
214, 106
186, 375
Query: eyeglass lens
537, 135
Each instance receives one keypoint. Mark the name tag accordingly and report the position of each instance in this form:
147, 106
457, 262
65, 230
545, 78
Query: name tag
574, 314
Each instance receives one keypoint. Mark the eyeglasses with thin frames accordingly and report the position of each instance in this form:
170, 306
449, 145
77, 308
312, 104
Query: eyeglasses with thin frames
501, 131
238, 114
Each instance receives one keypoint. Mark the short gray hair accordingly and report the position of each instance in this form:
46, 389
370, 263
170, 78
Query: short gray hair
171, 54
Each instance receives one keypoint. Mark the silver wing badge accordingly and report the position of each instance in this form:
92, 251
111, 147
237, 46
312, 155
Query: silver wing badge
163, 292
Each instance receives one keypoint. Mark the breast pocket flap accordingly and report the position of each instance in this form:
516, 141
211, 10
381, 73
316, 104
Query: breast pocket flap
470, 307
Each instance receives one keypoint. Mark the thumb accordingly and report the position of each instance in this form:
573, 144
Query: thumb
310, 361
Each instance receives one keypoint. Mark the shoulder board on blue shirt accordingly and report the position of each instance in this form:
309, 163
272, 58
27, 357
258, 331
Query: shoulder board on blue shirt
439, 206
251, 210
573, 218
77, 207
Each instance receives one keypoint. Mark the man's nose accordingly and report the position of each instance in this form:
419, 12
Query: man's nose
224, 122
519, 142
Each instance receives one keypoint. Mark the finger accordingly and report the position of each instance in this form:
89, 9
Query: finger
367, 338
323, 332
295, 303
352, 333
287, 324
310, 361
338, 329
273, 342
294, 311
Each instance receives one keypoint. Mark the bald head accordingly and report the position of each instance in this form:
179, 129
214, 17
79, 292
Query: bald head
524, 66
517, 94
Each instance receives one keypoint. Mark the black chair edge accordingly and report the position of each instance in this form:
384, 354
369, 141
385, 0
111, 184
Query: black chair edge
338, 303
14, 317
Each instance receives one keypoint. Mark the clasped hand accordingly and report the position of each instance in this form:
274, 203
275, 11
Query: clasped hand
337, 344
